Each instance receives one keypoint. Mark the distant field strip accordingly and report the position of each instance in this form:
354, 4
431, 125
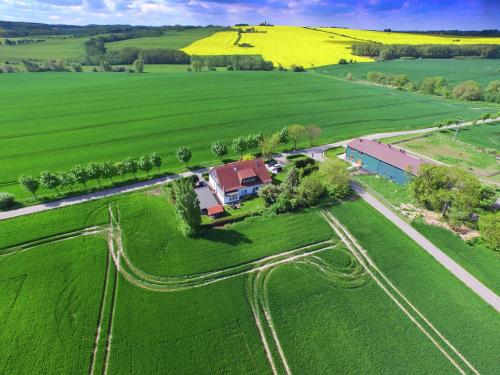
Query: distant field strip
423, 324
61, 120
312, 47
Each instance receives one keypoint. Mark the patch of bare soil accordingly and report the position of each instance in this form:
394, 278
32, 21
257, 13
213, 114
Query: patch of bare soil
434, 218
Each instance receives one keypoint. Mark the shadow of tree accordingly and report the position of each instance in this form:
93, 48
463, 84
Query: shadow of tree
227, 236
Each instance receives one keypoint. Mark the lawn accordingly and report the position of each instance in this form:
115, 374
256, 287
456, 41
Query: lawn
462, 317
174, 39
445, 147
452, 70
54, 121
394, 193
218, 248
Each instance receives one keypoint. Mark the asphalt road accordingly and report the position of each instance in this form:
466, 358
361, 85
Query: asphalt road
479, 288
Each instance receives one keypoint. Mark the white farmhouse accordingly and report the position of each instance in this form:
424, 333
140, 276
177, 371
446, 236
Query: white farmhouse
234, 181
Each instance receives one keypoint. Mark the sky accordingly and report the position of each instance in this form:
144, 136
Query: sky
364, 14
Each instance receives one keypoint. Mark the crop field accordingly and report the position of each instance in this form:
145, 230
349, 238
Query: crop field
444, 147
452, 70
460, 316
311, 304
65, 48
285, 45
55, 121
408, 38
288, 45
171, 39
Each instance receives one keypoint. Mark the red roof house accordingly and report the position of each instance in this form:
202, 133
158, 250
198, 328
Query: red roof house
233, 181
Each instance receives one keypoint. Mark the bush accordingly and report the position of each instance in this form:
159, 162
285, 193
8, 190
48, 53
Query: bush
343, 62
302, 163
6, 201
489, 227
298, 68
468, 90
493, 92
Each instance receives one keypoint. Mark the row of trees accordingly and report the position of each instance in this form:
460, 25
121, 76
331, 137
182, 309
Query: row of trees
468, 90
460, 197
94, 171
232, 62
434, 51
257, 142
20, 42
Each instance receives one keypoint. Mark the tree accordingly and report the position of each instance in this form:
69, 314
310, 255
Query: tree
468, 90
156, 160
184, 154
139, 65
239, 146
432, 85
131, 166
187, 207
269, 193
291, 182
94, 172
219, 148
269, 146
311, 189
252, 141
29, 183
109, 170
6, 200
81, 175
145, 164
313, 132
67, 180
283, 135
336, 178
489, 227
49, 180
106, 66
196, 66
492, 93
121, 169
296, 133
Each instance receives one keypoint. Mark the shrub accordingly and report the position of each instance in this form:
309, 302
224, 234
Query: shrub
493, 92
6, 201
468, 90
343, 62
302, 163
298, 68
489, 227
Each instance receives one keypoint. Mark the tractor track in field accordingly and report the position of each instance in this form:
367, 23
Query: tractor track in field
401, 301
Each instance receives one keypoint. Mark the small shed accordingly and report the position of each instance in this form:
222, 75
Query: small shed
207, 199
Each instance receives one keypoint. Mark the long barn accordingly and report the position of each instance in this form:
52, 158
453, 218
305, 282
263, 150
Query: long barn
385, 160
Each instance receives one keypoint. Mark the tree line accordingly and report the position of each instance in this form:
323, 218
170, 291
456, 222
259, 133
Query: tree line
82, 174
467, 90
20, 42
429, 51
230, 62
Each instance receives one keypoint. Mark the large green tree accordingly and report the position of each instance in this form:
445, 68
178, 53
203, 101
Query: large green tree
296, 133
187, 207
219, 148
145, 164
240, 145
489, 227
156, 160
50, 180
81, 175
184, 154
30, 183
336, 178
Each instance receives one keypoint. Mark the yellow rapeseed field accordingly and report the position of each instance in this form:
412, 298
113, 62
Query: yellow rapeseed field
288, 45
407, 38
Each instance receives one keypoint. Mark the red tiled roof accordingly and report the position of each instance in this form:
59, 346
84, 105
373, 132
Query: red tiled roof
214, 210
388, 154
229, 175
246, 173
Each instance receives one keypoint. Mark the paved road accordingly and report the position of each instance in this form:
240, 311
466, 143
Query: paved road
316, 152
479, 288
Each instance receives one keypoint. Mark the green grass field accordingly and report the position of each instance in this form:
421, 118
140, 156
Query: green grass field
54, 121
170, 39
54, 48
453, 70
462, 317
213, 302
464, 150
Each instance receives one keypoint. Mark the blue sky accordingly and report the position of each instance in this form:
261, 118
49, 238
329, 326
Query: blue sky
368, 14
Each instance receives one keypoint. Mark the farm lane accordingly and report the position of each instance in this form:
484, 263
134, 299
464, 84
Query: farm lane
317, 152
460, 273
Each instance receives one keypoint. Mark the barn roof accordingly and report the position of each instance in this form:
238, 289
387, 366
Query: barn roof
231, 176
389, 154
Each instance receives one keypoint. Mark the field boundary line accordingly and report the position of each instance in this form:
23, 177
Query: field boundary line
360, 254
